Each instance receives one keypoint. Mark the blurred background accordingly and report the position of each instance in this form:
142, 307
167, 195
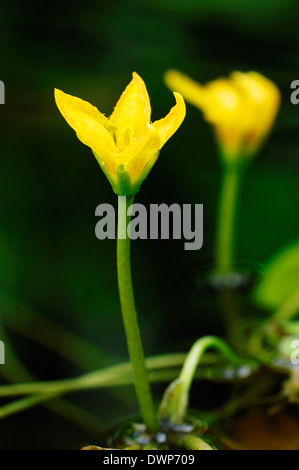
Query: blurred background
54, 274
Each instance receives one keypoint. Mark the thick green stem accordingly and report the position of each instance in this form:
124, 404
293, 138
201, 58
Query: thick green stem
141, 380
224, 249
175, 403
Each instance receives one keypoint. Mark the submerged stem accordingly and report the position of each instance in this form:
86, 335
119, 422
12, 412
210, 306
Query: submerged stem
232, 316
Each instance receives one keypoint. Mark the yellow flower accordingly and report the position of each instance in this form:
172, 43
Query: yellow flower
242, 109
127, 144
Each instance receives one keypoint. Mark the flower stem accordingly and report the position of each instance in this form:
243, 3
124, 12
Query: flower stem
141, 380
224, 249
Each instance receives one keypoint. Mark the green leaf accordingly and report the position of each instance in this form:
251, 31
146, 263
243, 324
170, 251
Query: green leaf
287, 346
280, 278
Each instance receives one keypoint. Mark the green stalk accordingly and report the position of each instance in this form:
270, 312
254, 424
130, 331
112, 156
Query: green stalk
225, 236
141, 380
225, 250
161, 369
175, 402
119, 374
16, 371
23, 403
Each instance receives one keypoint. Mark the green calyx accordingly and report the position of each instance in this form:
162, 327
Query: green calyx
123, 185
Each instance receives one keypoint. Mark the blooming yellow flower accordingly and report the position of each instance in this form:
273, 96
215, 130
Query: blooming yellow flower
127, 144
242, 108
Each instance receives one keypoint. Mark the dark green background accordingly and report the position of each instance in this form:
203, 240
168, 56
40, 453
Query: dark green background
50, 184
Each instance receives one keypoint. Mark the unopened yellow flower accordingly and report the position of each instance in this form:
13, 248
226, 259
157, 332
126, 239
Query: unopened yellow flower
242, 108
127, 144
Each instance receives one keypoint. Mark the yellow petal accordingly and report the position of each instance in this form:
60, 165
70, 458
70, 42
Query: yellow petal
132, 111
91, 126
265, 97
144, 153
223, 103
228, 108
190, 89
167, 126
108, 165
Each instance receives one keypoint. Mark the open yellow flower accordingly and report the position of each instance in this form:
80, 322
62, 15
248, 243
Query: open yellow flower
242, 108
127, 144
